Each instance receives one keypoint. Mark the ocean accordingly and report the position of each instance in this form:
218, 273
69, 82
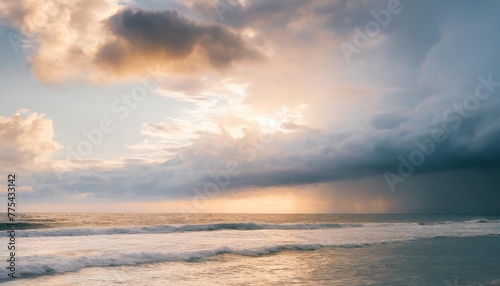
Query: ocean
253, 249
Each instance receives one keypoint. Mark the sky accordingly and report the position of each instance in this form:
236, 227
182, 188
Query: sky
283, 106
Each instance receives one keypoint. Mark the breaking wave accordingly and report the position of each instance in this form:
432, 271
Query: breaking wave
50, 264
155, 229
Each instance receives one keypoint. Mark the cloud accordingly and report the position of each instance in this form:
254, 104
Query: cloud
277, 13
62, 35
104, 41
352, 164
360, 117
26, 142
147, 37
203, 91
390, 119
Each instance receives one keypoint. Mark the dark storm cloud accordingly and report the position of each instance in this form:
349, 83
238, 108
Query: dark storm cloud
166, 36
408, 34
466, 191
389, 120
454, 179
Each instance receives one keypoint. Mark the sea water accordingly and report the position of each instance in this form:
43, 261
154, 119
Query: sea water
251, 249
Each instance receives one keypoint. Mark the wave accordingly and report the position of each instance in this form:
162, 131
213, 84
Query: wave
156, 229
478, 220
22, 225
494, 283
36, 265
51, 264
483, 220
435, 223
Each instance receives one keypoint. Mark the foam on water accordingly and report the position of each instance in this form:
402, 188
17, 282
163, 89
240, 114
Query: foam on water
50, 264
157, 229
81, 231
85, 247
62, 249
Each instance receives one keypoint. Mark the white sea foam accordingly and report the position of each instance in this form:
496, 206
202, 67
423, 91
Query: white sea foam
85, 252
155, 229
51, 264
45, 251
